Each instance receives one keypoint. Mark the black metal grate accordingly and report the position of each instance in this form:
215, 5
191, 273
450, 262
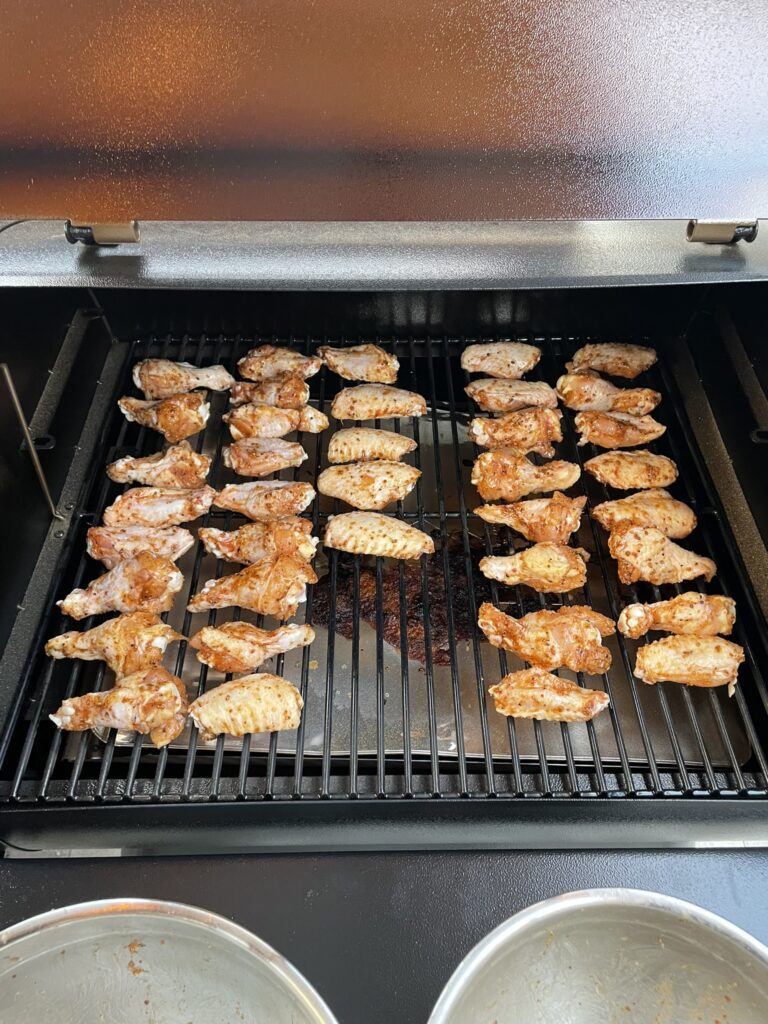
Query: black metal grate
395, 685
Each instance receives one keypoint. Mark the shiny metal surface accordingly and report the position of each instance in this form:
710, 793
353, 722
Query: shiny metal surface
601, 956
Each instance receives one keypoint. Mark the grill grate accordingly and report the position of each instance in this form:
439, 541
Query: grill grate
411, 719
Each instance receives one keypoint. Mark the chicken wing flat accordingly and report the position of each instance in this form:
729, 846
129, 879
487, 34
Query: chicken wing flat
692, 660
261, 421
510, 395
615, 359
370, 533
266, 499
547, 568
178, 466
570, 638
158, 506
528, 430
127, 643
539, 519
689, 614
162, 378
364, 444
283, 392
254, 541
361, 362
260, 456
312, 421
630, 471
240, 647
616, 429
269, 362
533, 693
274, 586
368, 485
376, 401
644, 553
589, 392
503, 473
175, 418
654, 507
114, 544
508, 359
256, 703
150, 701
145, 582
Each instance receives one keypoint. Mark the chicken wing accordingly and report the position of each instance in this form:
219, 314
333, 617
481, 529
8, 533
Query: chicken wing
254, 541
533, 693
240, 647
127, 643
283, 392
364, 444
528, 430
616, 429
690, 614
644, 553
162, 378
540, 519
654, 507
260, 456
274, 586
546, 567
261, 421
504, 473
256, 703
114, 544
266, 499
494, 395
312, 421
376, 401
629, 471
361, 362
587, 391
618, 360
158, 506
145, 582
368, 485
175, 418
178, 466
268, 362
508, 359
150, 701
370, 533
692, 660
570, 638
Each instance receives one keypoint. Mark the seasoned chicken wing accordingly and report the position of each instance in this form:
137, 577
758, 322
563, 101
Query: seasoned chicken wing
587, 391
254, 541
547, 568
370, 533
654, 507
533, 693
504, 473
260, 456
630, 471
616, 429
268, 362
361, 362
368, 485
241, 647
127, 643
256, 703
692, 660
494, 395
261, 421
283, 392
114, 544
175, 418
689, 614
178, 466
528, 430
145, 583
274, 586
162, 378
376, 401
364, 444
571, 637
266, 499
644, 553
615, 359
158, 506
539, 519
312, 421
509, 359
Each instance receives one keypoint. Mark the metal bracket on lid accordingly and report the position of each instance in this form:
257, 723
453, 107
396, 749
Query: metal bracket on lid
721, 232
102, 234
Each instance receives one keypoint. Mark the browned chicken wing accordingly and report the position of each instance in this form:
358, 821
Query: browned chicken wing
158, 506
508, 359
266, 499
268, 362
260, 456
617, 360
240, 647
689, 614
616, 429
144, 583
261, 421
654, 507
127, 643
644, 553
529, 430
370, 533
256, 703
361, 362
114, 544
274, 586
589, 392
368, 485
533, 693
254, 541
539, 519
376, 401
162, 378
692, 660
630, 471
175, 418
504, 473
547, 568
494, 395
365, 444
282, 392
178, 466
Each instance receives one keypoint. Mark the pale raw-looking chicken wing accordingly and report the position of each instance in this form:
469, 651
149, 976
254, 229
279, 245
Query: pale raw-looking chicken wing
255, 703
254, 541
260, 456
312, 421
274, 586
266, 499
178, 466
283, 392
162, 378
644, 553
150, 701
570, 638
630, 471
508, 359
547, 568
268, 362
589, 392
689, 614
241, 647
617, 360
175, 418
616, 429
494, 395
370, 533
366, 444
528, 430
504, 474
534, 693
361, 362
158, 506
114, 544
654, 507
692, 660
127, 643
254, 420
368, 485
144, 583
539, 519
377, 401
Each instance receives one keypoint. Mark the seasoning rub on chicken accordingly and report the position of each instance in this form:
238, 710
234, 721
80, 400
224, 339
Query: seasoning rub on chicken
509, 359
283, 392
654, 507
365, 444
617, 360
254, 541
630, 471
547, 568
255, 703
616, 429
158, 506
145, 582
178, 466
175, 418
589, 392
503, 473
126, 643
260, 456
361, 362
240, 647
114, 544
368, 485
266, 499
370, 533
534, 693
274, 586
538, 519
162, 378
268, 421
510, 395
377, 401
690, 614
691, 660
528, 430
268, 362
644, 553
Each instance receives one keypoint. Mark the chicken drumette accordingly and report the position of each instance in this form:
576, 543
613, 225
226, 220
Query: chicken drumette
617, 360
273, 586
254, 420
175, 418
158, 506
616, 429
529, 430
145, 583
504, 473
162, 378
690, 614
494, 395
269, 362
589, 392
266, 499
644, 553
547, 568
260, 456
534, 693
127, 643
114, 544
538, 519
282, 392
240, 647
178, 466
254, 541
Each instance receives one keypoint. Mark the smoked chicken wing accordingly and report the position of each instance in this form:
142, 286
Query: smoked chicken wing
547, 568
365, 444
539, 519
533, 693
254, 541
175, 418
274, 586
178, 466
370, 533
145, 583
255, 703
162, 378
644, 553
617, 360
503, 473
158, 506
692, 660
654, 507
260, 456
127, 643
616, 429
494, 395
268, 362
283, 392
589, 392
114, 544
240, 647
508, 359
361, 362
368, 485
528, 430
266, 499
630, 471
376, 401
689, 614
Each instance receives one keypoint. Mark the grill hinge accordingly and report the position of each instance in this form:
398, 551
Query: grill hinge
102, 234
721, 232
